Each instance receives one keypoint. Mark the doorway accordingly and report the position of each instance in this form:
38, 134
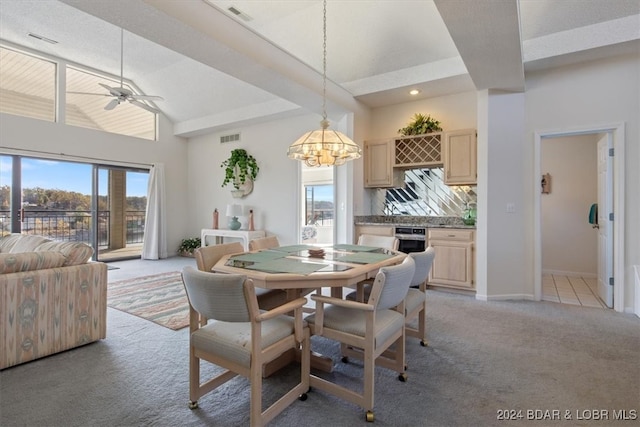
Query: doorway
611, 254
573, 262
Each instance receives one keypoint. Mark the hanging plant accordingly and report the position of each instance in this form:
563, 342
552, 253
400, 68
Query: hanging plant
239, 167
420, 124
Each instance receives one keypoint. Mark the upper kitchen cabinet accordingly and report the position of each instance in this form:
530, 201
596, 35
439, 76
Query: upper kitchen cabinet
378, 165
459, 153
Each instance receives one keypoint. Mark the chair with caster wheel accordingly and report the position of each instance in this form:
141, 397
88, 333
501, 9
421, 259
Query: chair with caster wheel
366, 330
228, 329
207, 256
416, 301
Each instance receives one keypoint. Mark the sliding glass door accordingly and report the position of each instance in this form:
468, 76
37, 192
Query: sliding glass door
71, 201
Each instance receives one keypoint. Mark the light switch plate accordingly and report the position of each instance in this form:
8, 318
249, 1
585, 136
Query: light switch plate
511, 208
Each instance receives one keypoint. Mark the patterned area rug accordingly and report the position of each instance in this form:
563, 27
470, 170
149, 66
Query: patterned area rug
159, 298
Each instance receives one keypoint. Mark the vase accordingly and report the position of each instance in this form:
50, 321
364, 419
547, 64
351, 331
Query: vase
234, 224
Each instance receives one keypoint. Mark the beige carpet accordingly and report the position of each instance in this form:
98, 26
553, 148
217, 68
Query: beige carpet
159, 298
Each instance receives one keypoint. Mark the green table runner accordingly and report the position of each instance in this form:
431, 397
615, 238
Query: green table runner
363, 257
293, 248
259, 256
286, 265
354, 248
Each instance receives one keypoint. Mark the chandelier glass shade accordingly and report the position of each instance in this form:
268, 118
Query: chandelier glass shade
324, 147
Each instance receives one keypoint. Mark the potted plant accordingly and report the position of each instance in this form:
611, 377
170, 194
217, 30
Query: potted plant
187, 246
240, 169
420, 124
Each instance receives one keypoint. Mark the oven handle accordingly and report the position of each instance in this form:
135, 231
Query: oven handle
410, 237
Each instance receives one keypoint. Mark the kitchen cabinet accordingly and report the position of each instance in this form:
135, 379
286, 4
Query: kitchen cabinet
453, 265
378, 165
377, 230
459, 153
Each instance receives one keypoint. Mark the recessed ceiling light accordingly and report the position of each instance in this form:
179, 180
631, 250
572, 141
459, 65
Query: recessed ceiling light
43, 38
414, 92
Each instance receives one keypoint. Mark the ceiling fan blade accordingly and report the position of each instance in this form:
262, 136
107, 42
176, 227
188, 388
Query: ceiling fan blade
143, 105
112, 90
148, 97
112, 104
88, 93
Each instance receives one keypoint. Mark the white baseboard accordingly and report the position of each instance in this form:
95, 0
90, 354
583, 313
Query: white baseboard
570, 273
504, 297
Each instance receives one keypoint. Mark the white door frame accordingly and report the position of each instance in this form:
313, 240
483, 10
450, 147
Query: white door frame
617, 131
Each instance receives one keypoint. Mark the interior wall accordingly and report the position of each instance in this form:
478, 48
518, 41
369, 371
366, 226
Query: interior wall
23, 133
590, 95
569, 243
275, 191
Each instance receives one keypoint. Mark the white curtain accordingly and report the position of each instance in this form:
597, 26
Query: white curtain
155, 227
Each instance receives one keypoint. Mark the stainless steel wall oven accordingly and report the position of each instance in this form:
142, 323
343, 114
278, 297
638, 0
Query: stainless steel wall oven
411, 239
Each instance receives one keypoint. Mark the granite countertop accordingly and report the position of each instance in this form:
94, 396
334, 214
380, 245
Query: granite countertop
412, 221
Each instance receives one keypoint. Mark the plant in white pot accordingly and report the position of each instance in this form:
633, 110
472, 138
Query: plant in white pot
241, 169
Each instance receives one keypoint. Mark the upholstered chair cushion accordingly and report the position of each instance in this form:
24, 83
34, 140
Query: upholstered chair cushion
224, 301
354, 321
232, 340
76, 253
30, 261
23, 243
396, 284
415, 298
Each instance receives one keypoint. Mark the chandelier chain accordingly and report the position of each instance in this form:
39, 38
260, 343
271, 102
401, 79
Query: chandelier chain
324, 61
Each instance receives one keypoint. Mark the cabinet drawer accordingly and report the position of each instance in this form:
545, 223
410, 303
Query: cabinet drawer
450, 234
375, 229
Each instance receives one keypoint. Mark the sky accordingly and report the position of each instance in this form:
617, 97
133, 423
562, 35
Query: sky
68, 176
52, 174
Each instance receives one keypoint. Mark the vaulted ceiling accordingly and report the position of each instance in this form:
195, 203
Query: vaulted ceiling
219, 69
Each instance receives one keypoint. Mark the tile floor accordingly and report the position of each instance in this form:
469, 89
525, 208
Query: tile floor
571, 290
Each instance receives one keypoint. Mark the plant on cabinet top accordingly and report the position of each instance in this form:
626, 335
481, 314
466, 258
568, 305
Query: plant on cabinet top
420, 124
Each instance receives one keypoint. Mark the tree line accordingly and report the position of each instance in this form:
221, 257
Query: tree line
61, 200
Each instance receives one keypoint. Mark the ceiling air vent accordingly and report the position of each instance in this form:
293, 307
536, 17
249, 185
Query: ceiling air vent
230, 138
240, 14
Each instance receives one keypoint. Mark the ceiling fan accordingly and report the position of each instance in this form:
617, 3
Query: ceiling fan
122, 94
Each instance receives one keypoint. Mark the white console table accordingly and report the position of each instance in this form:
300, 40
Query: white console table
220, 234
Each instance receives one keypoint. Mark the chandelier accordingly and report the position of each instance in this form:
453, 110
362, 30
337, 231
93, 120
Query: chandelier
324, 146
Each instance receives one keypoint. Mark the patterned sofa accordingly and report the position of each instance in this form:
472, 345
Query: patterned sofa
52, 297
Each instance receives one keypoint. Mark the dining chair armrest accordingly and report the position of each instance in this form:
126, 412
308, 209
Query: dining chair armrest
343, 303
281, 309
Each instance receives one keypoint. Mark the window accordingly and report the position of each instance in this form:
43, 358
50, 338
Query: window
28, 89
27, 85
88, 110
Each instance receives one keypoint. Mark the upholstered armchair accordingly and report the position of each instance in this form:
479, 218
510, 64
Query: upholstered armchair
366, 330
228, 329
416, 300
208, 256
264, 243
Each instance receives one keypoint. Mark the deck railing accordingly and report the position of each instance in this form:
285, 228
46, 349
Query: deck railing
74, 226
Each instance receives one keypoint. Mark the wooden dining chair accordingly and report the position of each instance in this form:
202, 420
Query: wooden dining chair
208, 256
388, 242
366, 330
228, 329
264, 243
416, 301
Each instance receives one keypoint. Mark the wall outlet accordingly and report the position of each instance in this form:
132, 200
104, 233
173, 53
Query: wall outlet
511, 208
